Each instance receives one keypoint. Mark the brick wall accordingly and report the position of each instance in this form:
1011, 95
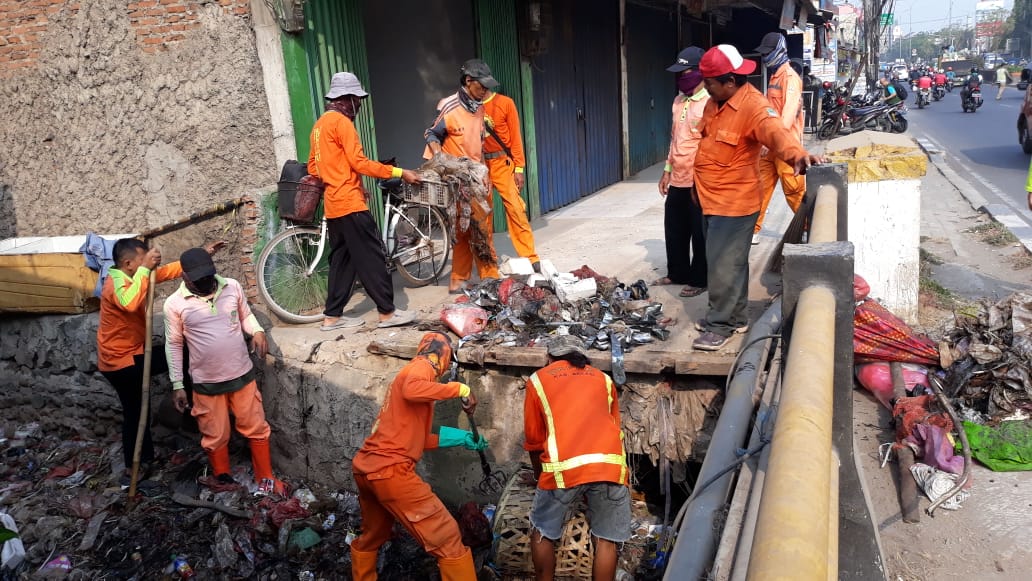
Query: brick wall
22, 23
159, 23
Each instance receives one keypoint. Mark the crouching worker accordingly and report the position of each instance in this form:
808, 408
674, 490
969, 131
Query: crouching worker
572, 424
210, 313
389, 489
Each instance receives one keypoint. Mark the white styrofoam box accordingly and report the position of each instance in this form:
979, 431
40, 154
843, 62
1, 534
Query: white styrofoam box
538, 280
519, 266
575, 291
548, 270
13, 552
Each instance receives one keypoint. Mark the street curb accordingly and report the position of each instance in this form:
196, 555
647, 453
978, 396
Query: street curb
998, 212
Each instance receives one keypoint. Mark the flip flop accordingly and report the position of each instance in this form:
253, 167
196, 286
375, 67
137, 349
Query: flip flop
662, 281
692, 291
343, 323
398, 318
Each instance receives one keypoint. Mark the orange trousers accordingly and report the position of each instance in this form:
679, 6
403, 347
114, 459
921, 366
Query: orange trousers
771, 169
462, 255
396, 493
501, 173
212, 413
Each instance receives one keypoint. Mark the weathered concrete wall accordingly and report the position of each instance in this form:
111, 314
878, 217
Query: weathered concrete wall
118, 118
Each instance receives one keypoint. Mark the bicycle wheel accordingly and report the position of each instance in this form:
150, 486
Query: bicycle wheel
286, 289
419, 242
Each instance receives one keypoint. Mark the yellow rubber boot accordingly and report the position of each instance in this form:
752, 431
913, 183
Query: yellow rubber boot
458, 568
363, 565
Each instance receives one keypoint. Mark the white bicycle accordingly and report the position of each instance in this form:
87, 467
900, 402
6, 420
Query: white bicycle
294, 266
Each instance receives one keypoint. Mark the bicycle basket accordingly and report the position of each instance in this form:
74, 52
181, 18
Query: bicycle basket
299, 200
431, 193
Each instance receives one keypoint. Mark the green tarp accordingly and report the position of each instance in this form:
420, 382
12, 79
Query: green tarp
1005, 448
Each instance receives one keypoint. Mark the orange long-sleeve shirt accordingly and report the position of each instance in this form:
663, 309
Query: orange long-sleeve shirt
123, 311
727, 168
501, 116
401, 431
572, 416
785, 93
337, 158
459, 132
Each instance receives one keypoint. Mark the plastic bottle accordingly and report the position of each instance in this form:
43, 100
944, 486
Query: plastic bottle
328, 523
181, 567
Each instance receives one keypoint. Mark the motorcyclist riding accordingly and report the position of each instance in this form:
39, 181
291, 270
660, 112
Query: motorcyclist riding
973, 80
924, 89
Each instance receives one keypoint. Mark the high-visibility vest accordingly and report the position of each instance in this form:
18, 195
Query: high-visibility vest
577, 458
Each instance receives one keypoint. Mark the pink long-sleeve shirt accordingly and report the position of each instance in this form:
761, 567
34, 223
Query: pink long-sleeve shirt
213, 330
685, 135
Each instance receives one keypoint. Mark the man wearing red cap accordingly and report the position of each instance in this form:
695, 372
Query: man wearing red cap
737, 123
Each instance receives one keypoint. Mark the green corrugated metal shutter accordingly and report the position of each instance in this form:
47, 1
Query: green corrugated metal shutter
498, 45
333, 41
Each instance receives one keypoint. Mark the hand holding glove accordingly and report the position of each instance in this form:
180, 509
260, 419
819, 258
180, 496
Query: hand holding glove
451, 437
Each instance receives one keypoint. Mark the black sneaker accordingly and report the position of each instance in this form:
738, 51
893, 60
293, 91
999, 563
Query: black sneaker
700, 325
710, 341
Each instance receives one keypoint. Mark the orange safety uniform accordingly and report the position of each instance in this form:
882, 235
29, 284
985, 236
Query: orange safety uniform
572, 416
465, 138
389, 489
123, 312
727, 176
500, 115
338, 160
785, 93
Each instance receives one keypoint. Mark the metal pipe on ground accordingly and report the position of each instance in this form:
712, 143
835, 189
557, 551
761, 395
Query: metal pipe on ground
796, 489
696, 541
824, 226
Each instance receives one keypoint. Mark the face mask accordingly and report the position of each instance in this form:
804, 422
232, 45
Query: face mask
687, 83
202, 286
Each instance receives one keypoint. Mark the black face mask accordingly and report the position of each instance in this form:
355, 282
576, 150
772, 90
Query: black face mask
202, 286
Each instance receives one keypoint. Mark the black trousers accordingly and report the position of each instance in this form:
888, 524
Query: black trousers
685, 237
128, 384
356, 251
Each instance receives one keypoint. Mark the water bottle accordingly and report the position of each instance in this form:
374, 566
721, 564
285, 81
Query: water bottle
180, 566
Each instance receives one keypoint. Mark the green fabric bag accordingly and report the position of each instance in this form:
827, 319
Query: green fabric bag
1005, 448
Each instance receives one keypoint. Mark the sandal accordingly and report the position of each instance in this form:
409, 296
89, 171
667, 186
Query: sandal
663, 281
397, 319
342, 323
692, 291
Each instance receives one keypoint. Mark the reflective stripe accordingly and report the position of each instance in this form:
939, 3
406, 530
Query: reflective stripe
553, 447
557, 468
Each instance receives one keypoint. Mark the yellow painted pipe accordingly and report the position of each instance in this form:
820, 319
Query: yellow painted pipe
792, 541
833, 516
825, 215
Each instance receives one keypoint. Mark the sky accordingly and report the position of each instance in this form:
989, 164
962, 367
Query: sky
932, 15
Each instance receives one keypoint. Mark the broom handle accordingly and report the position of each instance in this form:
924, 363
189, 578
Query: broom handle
148, 351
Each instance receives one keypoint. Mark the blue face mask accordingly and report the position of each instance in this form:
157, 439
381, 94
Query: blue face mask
688, 83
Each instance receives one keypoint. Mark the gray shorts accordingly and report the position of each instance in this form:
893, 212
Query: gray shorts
609, 510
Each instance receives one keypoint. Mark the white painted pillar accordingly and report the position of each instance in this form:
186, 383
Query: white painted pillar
274, 75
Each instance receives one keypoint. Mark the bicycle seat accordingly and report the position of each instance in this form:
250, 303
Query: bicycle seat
390, 184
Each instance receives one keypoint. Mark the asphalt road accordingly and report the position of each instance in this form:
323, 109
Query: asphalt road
982, 147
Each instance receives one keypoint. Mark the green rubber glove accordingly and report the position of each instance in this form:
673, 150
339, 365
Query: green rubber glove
451, 437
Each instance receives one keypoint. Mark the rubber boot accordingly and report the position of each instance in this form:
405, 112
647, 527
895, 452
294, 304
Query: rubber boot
458, 568
219, 459
262, 463
363, 565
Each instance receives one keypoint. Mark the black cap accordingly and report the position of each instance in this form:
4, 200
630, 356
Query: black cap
197, 264
770, 42
687, 59
480, 72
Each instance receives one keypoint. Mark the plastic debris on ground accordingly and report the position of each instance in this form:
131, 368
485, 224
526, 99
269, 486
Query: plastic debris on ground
936, 483
524, 310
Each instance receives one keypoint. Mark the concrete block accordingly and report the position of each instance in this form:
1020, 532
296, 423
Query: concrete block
519, 266
548, 270
876, 156
574, 291
538, 280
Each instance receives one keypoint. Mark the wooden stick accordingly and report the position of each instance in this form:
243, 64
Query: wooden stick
215, 210
148, 349
180, 498
909, 501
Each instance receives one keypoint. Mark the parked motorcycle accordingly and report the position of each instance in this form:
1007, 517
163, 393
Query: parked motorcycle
893, 120
939, 92
973, 100
923, 98
845, 120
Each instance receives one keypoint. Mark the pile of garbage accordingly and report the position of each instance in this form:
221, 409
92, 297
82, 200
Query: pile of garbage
525, 307
64, 515
468, 181
987, 357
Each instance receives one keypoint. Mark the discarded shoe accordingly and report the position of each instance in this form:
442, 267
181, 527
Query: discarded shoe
342, 323
398, 318
710, 341
692, 291
700, 325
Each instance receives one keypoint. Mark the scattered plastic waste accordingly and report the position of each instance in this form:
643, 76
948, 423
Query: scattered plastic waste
13, 552
489, 511
305, 575
328, 523
303, 539
936, 483
464, 319
58, 563
304, 496
181, 567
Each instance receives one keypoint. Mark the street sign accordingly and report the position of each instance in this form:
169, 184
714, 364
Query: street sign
886, 19
913, 52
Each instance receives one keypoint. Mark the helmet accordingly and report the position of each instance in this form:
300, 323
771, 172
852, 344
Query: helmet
974, 70
826, 85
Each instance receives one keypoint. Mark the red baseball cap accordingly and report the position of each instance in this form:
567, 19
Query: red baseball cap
723, 59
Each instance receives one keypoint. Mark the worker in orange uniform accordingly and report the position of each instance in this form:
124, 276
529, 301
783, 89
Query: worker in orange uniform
355, 249
209, 314
571, 416
458, 130
121, 335
785, 93
503, 154
389, 489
